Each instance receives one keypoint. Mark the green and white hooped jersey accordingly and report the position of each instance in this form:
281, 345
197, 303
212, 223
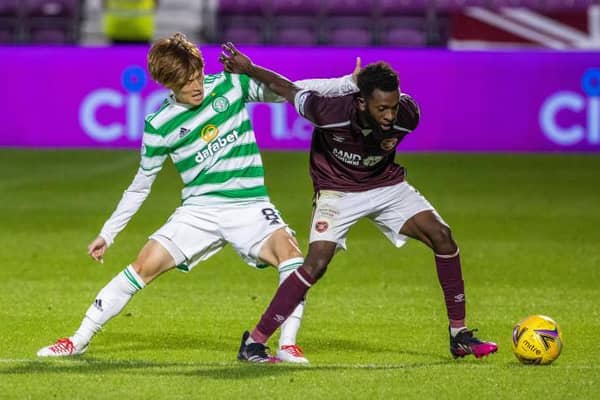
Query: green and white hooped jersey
212, 145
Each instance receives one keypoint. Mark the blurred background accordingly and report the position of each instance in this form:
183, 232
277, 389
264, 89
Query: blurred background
558, 24
490, 75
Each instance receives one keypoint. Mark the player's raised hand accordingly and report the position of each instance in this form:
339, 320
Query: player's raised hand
97, 248
357, 69
233, 60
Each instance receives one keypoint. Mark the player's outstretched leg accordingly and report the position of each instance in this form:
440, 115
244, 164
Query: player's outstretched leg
465, 343
109, 302
288, 350
254, 352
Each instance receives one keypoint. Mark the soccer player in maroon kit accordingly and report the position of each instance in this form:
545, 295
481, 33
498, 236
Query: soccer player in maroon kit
354, 176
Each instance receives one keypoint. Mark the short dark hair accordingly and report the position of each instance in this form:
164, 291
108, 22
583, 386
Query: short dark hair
378, 75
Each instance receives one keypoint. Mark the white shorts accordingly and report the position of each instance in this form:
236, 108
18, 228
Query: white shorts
388, 207
194, 233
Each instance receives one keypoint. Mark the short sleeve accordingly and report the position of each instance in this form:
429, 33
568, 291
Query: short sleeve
322, 111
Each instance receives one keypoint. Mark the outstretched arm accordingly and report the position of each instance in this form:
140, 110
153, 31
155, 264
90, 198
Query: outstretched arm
238, 63
333, 86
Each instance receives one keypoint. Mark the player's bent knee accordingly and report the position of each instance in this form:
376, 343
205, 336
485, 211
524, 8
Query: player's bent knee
442, 240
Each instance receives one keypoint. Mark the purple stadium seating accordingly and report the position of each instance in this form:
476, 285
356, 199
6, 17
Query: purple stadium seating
348, 36
242, 30
9, 8
363, 8
349, 31
51, 8
302, 31
241, 35
459, 5
243, 7
49, 36
404, 37
8, 34
402, 31
295, 37
389, 8
296, 7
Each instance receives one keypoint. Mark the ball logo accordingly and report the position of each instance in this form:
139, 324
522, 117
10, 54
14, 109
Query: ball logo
133, 80
571, 105
209, 132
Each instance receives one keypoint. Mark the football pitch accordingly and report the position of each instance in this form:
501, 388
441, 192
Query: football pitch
528, 227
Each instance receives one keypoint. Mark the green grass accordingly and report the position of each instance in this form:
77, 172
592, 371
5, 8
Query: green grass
529, 231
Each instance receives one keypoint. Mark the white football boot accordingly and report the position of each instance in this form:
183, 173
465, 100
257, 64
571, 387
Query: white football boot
292, 354
62, 348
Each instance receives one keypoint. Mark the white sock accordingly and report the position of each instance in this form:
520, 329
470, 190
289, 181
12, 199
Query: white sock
289, 329
455, 331
109, 302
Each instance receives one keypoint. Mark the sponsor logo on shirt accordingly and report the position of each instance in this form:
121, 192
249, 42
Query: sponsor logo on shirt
347, 157
372, 160
209, 132
216, 146
220, 104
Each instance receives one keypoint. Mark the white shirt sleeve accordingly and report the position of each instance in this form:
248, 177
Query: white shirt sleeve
330, 87
326, 87
130, 203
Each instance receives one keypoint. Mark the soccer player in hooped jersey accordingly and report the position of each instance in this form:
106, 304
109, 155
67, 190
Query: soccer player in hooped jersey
203, 126
354, 176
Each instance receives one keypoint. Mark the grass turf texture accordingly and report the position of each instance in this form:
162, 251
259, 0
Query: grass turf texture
375, 326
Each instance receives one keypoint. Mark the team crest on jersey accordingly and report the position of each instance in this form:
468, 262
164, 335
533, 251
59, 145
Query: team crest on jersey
220, 104
209, 132
388, 144
321, 226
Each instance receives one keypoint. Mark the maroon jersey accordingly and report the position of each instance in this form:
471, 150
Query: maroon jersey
346, 157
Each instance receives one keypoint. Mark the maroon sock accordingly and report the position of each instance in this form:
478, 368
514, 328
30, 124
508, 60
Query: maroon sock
450, 276
289, 294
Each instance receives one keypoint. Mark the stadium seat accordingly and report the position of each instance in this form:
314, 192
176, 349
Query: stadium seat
9, 21
8, 34
242, 7
296, 7
364, 8
49, 36
388, 8
51, 8
402, 32
241, 30
349, 31
303, 31
51, 21
9, 8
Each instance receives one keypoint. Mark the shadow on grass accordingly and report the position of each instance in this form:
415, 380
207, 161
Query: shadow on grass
107, 348
224, 370
136, 342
